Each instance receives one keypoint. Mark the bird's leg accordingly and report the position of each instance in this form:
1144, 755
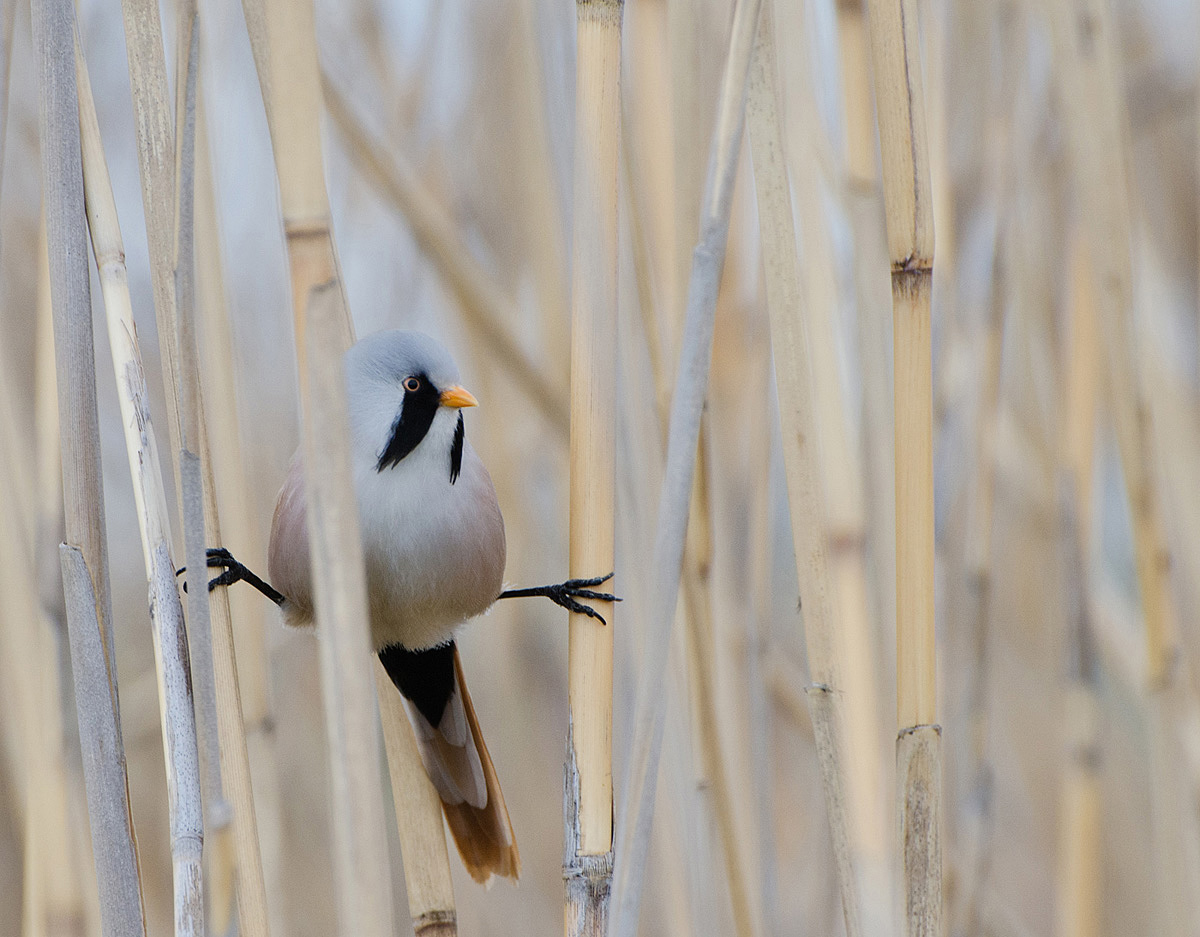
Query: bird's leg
220, 558
565, 594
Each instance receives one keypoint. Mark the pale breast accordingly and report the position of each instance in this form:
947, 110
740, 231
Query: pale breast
434, 551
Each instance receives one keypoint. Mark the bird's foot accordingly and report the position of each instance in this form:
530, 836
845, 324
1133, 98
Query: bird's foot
220, 558
566, 593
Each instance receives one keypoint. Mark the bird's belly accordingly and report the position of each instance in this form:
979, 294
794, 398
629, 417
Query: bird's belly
434, 556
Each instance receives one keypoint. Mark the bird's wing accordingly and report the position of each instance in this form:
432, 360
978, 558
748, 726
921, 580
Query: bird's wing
449, 751
287, 556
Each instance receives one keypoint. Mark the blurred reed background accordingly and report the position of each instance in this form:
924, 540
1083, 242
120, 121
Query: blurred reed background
1061, 144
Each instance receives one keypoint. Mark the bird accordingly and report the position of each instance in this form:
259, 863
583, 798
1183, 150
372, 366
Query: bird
434, 550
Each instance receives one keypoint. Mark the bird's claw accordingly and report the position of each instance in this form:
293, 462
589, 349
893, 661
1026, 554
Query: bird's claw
565, 594
219, 558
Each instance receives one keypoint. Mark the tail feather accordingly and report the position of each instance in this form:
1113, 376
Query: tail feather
456, 759
483, 835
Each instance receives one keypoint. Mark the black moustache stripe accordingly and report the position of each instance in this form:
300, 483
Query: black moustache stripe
413, 422
456, 449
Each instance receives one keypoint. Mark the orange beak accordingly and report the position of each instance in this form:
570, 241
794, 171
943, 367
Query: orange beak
457, 397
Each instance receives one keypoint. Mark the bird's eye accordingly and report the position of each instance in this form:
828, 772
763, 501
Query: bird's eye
412, 384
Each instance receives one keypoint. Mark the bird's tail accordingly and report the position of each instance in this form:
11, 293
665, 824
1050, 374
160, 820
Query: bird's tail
456, 759
483, 835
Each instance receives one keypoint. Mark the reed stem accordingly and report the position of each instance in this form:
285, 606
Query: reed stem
588, 793
802, 458
283, 38
166, 610
637, 805
84, 555
895, 48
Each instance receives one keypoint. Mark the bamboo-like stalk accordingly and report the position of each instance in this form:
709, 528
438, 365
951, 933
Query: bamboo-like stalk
906, 191
164, 160
975, 563
170, 636
588, 793
283, 38
862, 199
857, 113
637, 805
801, 443
422, 842
52, 903
711, 776
1080, 852
340, 599
84, 557
547, 252
242, 688
1082, 386
482, 301
156, 164
702, 673
51, 834
194, 500
1081, 809
683, 832
1090, 87
8, 15
1086, 62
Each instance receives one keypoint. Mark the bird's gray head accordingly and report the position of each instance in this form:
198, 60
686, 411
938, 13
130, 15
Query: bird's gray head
403, 389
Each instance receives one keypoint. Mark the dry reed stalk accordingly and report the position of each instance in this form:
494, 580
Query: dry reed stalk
863, 202
1080, 866
1090, 91
51, 904
166, 610
283, 38
711, 778
1082, 370
164, 160
1080, 833
906, 191
802, 457
588, 793
691, 121
534, 161
1086, 61
849, 539
647, 159
156, 164
247, 865
194, 499
340, 599
243, 707
858, 117
48, 474
62, 897
974, 564
702, 680
84, 557
693, 915
637, 806
483, 303
218, 387
970, 560
8, 15
422, 842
